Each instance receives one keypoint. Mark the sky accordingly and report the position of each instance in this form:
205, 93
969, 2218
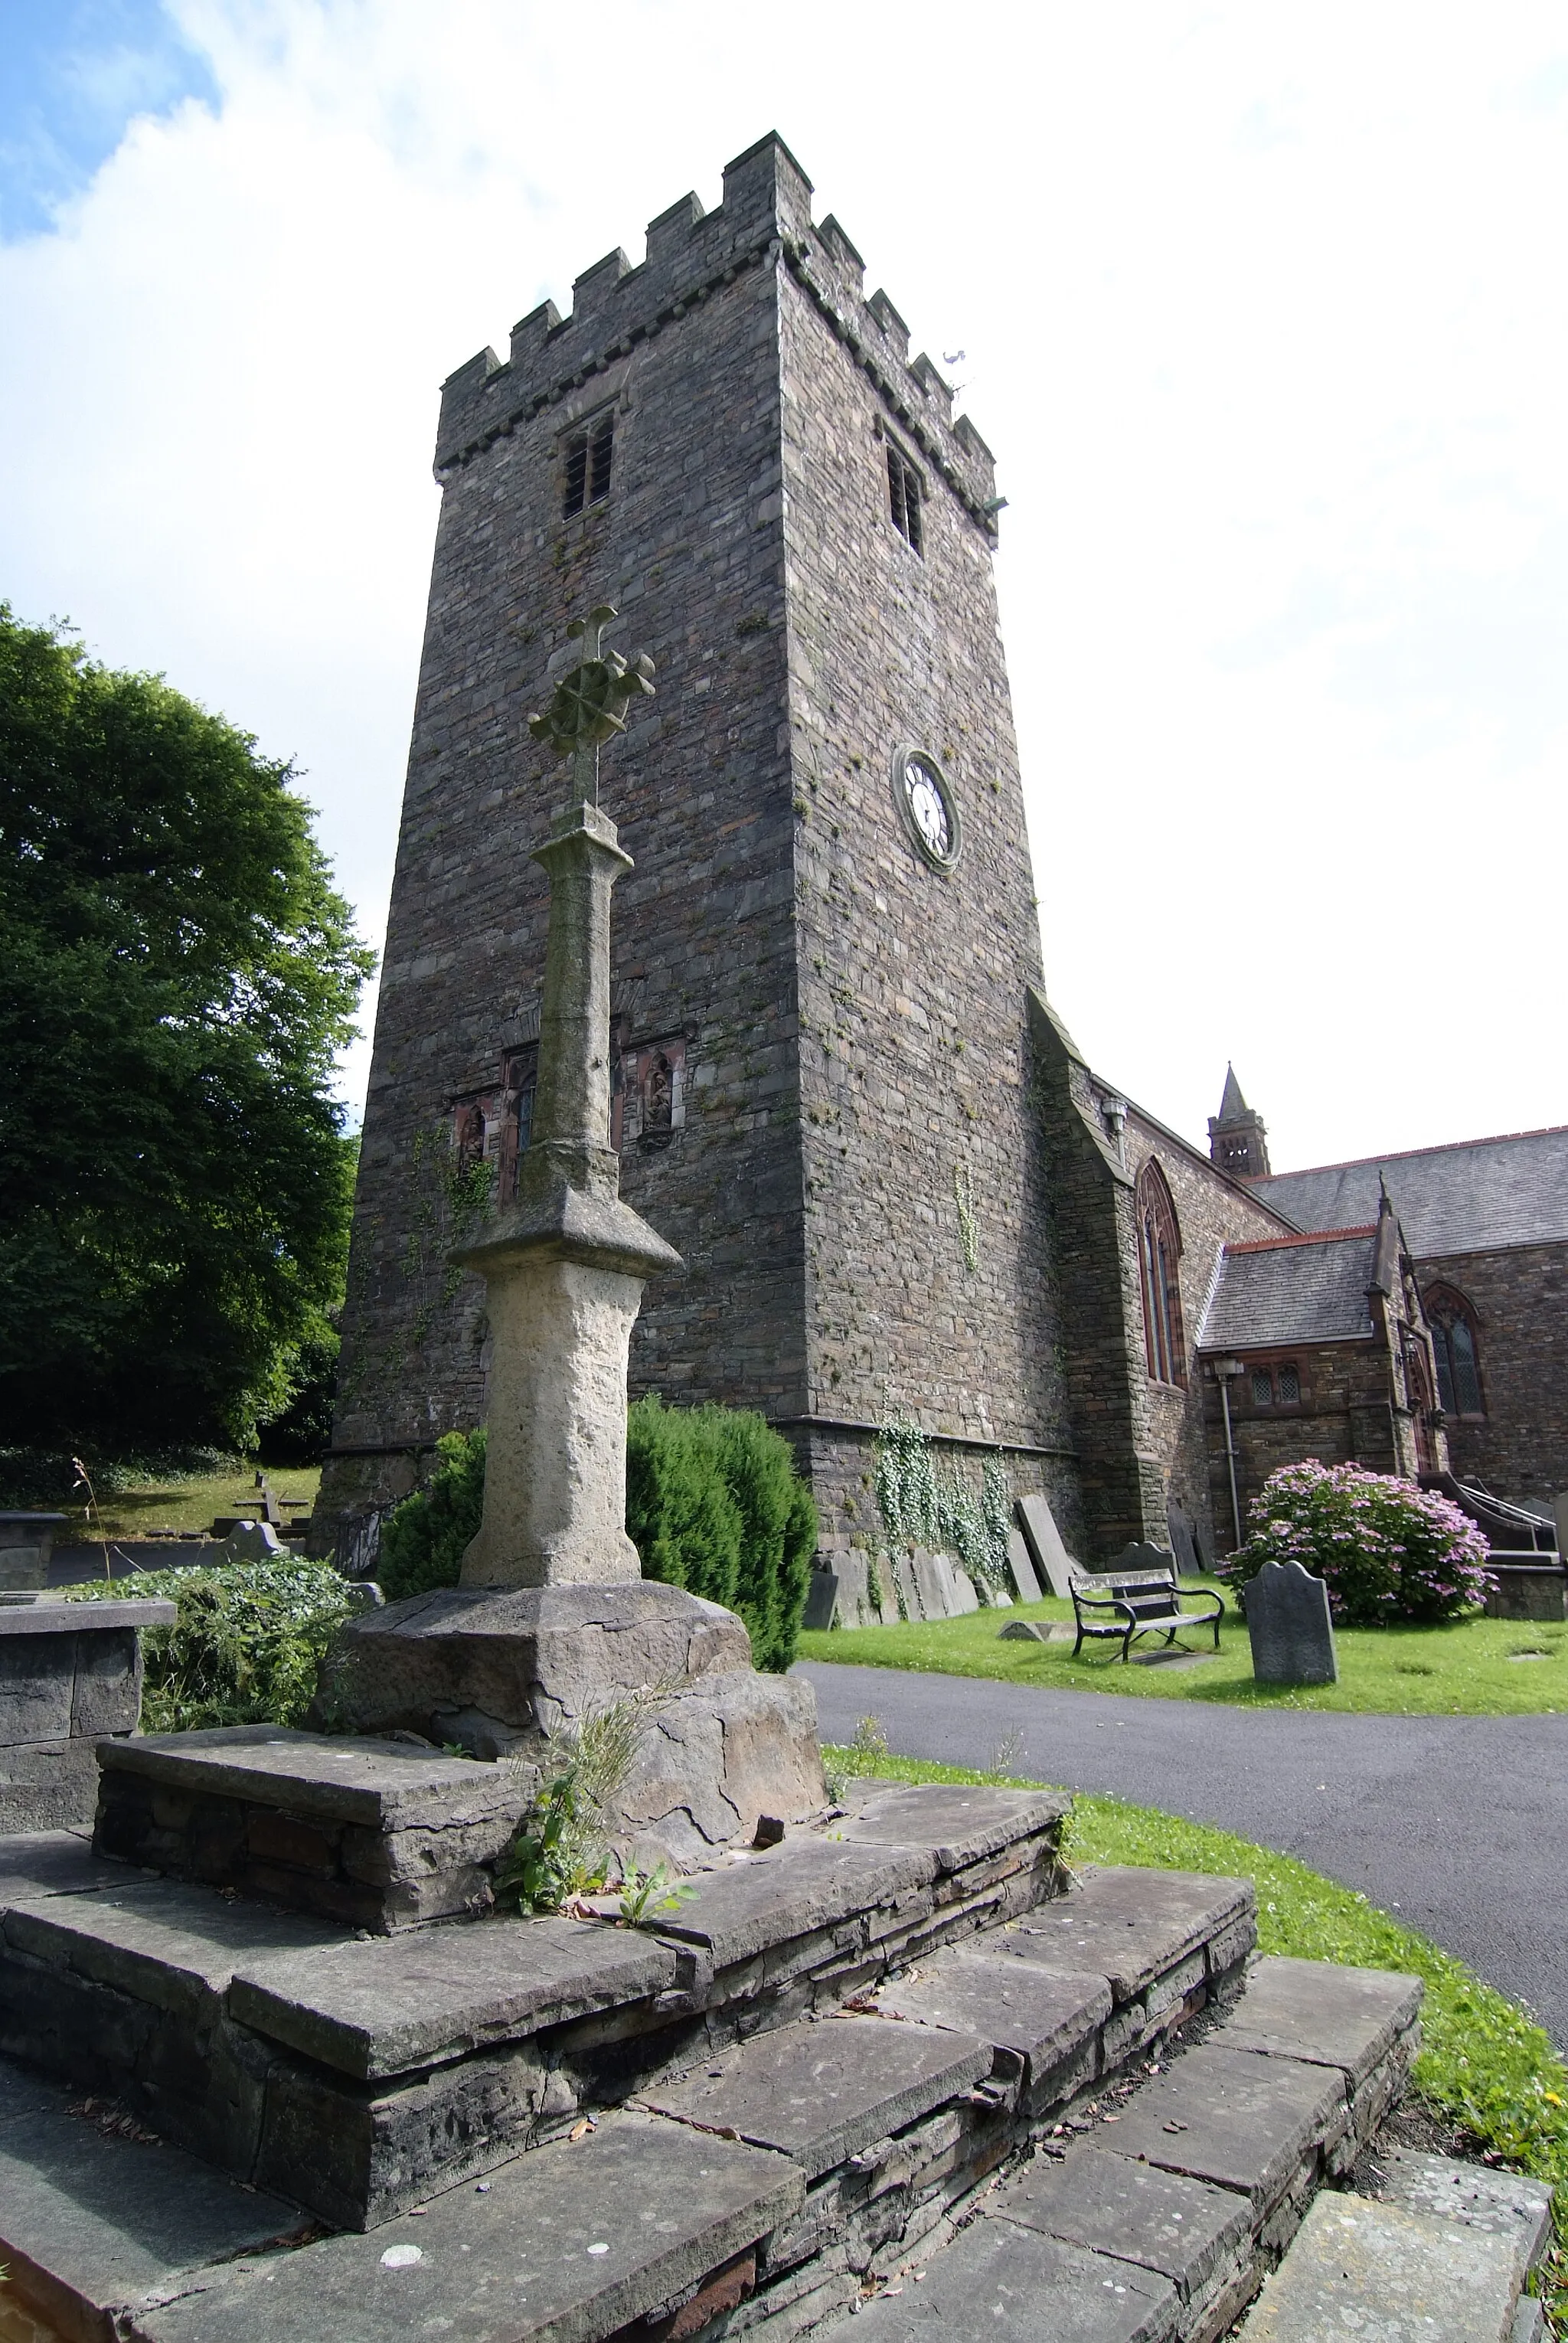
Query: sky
1261, 307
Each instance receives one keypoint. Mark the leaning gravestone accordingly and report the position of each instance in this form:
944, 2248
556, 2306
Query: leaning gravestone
1050, 1556
1291, 1633
1022, 1569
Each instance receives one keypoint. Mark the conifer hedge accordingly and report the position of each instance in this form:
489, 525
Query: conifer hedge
713, 1504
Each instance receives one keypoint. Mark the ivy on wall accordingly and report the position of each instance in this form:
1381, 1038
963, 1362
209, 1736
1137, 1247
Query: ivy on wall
924, 1503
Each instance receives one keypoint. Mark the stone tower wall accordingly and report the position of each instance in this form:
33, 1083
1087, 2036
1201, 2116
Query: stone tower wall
847, 1024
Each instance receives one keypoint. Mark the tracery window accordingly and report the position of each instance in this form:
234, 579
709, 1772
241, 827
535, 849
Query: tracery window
1455, 1351
1158, 1260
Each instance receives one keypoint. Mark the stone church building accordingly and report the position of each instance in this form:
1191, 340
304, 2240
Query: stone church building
839, 1089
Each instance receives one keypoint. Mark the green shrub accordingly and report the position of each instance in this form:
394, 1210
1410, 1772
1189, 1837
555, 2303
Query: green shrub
424, 1539
245, 1646
713, 1504
1390, 1552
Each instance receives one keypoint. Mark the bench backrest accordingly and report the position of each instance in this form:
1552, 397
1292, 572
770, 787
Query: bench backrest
1130, 1585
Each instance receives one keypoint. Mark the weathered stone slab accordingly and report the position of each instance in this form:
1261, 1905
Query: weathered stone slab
1042, 2018
1050, 1556
1469, 2196
713, 1758
1000, 2279
821, 1600
821, 2092
91, 2225
376, 1784
1183, 2228
58, 1863
959, 1824
1130, 1925
374, 1834
1345, 2017
46, 1785
1026, 1586
402, 2002
795, 1889
1361, 2268
567, 2245
1290, 1627
157, 1941
1237, 2120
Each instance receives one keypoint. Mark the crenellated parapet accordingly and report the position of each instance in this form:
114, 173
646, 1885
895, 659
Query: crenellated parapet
764, 221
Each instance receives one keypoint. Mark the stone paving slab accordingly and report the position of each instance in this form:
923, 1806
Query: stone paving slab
1130, 1925
564, 2245
90, 2225
1183, 2228
1041, 2017
745, 1908
158, 1941
960, 1824
822, 2091
997, 2280
1332, 2016
1362, 2269
1469, 2196
402, 2002
374, 1785
59, 1862
1232, 2118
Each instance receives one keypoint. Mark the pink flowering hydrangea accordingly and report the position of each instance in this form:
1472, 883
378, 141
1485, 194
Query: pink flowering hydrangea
1388, 1551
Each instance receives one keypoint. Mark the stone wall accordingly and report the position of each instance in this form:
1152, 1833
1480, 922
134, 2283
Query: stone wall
1520, 1297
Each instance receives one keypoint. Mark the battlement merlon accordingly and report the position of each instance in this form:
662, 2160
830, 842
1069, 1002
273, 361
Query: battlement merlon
765, 216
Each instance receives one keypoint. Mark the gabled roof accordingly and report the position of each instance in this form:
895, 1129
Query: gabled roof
1466, 1198
1306, 1289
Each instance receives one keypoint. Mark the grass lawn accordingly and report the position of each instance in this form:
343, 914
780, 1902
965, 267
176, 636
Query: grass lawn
1472, 1667
176, 1503
1484, 2064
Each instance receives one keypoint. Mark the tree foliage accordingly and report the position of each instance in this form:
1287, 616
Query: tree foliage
178, 974
713, 1504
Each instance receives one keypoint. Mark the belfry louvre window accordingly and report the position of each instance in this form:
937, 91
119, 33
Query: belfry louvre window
1158, 1260
904, 495
589, 453
1455, 1353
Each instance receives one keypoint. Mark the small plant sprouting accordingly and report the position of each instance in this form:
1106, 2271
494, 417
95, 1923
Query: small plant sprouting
644, 1895
562, 1852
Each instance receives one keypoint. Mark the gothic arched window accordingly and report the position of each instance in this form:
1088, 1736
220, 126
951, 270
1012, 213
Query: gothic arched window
1159, 1258
1455, 1351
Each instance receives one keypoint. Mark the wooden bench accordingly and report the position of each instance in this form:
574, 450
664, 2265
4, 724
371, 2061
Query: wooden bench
1129, 1603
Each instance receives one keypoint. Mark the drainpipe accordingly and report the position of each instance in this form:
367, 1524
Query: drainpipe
1224, 1370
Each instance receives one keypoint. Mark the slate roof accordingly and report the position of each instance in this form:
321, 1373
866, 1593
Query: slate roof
1309, 1289
1467, 1198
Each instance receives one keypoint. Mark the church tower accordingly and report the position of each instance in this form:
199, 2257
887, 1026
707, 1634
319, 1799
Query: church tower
1238, 1142
819, 1042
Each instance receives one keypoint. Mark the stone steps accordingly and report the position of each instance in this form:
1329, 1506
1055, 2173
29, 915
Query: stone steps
1441, 2254
359, 2073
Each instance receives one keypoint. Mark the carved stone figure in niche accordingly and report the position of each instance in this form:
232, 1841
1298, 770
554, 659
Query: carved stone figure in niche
659, 1101
469, 1135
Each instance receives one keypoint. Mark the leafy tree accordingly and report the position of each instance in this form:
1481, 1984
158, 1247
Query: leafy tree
178, 976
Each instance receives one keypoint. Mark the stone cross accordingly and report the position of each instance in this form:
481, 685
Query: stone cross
566, 1265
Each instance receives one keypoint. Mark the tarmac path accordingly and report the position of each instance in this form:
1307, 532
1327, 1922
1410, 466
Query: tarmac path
1459, 1823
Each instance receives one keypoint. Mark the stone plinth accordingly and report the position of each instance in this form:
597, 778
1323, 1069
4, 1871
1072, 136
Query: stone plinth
26, 1542
506, 1671
374, 1834
69, 1672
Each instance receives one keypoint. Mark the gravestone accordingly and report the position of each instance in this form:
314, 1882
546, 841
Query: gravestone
821, 1600
1050, 1556
1026, 1584
1183, 1541
252, 1542
1288, 1621
1136, 1556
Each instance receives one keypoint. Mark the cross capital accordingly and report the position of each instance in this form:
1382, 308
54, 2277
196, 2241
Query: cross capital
587, 705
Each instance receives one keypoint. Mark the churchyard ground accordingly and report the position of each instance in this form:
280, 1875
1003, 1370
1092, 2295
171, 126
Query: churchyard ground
149, 1505
1470, 1667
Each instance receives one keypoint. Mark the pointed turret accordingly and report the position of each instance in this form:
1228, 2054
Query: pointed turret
1238, 1142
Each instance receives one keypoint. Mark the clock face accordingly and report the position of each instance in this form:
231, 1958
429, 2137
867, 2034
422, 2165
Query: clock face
927, 806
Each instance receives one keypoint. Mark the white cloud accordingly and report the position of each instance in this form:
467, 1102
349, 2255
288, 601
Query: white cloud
1262, 313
